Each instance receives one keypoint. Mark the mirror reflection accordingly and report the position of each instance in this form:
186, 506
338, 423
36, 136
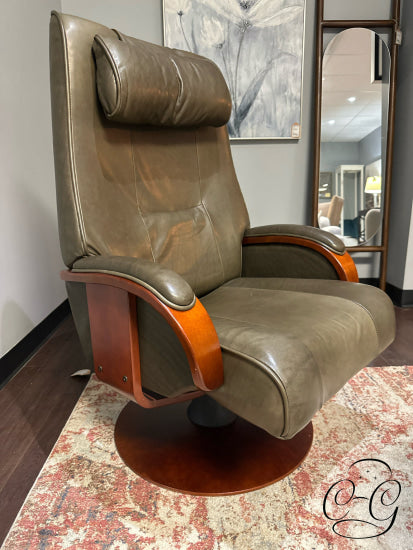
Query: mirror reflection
353, 136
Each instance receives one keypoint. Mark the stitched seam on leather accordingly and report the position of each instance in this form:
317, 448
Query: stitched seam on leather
141, 283
116, 74
181, 86
249, 323
74, 185
372, 320
317, 294
119, 35
137, 199
271, 371
206, 210
271, 374
347, 300
163, 212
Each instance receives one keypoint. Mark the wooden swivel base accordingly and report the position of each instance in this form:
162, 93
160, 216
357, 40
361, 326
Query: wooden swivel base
164, 447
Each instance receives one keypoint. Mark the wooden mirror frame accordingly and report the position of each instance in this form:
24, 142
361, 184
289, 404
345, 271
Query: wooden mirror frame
394, 26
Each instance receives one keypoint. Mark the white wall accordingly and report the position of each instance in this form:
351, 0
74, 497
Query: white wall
408, 273
30, 256
140, 18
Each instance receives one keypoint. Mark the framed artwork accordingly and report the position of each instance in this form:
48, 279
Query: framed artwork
258, 45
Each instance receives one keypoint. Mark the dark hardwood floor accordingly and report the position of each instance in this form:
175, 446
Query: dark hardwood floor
401, 350
37, 402
35, 406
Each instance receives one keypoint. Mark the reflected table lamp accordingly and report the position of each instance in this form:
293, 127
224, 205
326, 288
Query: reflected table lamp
373, 186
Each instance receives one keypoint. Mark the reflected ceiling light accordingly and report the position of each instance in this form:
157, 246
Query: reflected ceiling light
351, 99
331, 122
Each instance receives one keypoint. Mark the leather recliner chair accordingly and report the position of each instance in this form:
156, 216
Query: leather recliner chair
173, 294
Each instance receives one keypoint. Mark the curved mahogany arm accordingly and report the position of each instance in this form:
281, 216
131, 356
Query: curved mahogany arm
114, 334
343, 263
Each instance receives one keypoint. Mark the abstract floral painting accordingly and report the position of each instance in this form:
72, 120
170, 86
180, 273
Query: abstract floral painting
258, 45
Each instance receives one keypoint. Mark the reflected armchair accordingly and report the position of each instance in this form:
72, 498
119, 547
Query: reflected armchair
329, 215
372, 225
174, 296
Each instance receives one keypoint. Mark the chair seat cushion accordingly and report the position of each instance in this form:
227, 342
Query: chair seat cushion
291, 344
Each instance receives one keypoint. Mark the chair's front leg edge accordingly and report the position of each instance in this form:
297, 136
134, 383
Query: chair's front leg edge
114, 331
343, 263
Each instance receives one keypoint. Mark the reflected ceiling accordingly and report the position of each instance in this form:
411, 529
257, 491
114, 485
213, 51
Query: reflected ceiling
347, 73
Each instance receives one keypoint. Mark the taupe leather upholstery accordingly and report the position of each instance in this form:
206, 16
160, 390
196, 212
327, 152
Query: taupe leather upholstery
166, 284
144, 192
328, 240
148, 192
285, 260
305, 337
128, 71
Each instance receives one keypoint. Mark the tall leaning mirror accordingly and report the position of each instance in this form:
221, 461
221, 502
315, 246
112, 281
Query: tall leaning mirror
355, 101
354, 112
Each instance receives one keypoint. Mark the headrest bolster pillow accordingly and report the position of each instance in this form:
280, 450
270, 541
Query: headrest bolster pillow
145, 84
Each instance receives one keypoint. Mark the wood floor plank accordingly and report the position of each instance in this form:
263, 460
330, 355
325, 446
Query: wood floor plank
35, 406
400, 352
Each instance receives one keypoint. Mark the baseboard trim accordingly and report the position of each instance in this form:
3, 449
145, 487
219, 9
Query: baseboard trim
14, 359
400, 297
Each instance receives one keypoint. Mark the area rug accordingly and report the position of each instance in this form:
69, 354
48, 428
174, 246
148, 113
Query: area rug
352, 491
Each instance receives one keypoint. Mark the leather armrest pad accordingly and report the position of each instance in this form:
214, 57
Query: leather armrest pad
166, 284
314, 234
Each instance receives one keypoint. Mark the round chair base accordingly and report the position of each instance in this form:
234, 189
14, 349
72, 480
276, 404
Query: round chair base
164, 447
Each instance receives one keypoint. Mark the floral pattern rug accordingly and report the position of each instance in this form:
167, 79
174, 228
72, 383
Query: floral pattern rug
352, 491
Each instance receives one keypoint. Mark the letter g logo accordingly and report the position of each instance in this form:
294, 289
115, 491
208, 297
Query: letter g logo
366, 514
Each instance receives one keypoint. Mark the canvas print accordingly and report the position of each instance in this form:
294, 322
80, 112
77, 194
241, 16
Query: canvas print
258, 45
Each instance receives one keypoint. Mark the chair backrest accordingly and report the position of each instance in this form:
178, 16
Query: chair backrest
152, 178
372, 223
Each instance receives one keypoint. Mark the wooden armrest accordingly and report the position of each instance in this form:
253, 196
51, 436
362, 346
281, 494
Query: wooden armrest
342, 263
115, 343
